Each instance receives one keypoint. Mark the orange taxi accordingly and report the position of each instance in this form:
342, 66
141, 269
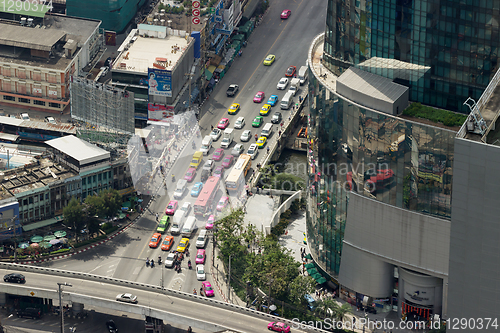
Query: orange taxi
155, 240
167, 243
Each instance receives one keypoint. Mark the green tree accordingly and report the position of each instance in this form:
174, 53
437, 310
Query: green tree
74, 214
92, 225
342, 310
323, 307
112, 201
94, 205
301, 286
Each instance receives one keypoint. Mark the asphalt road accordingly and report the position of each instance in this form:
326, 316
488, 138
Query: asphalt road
124, 256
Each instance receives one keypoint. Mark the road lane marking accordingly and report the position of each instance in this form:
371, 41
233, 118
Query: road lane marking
269, 50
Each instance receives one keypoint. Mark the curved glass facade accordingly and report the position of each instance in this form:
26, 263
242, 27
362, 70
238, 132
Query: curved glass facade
445, 50
387, 158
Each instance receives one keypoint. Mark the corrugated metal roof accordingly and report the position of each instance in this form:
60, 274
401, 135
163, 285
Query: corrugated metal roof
80, 150
42, 125
373, 85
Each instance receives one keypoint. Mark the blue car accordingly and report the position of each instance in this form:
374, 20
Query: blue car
273, 100
196, 189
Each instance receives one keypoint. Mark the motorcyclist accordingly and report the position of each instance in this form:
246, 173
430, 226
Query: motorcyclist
147, 262
159, 260
189, 264
173, 178
256, 137
152, 263
194, 145
194, 292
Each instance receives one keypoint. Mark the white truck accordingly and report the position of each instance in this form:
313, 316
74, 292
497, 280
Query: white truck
294, 86
302, 74
227, 138
206, 144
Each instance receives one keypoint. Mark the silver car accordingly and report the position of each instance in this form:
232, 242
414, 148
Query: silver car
186, 208
237, 150
240, 122
127, 298
246, 135
169, 261
253, 150
200, 273
215, 134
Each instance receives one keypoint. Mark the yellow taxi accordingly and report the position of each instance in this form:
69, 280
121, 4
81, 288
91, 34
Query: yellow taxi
269, 60
183, 245
261, 142
264, 110
234, 108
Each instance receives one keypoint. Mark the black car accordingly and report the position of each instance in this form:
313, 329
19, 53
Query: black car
276, 119
205, 174
110, 324
14, 277
232, 90
30, 313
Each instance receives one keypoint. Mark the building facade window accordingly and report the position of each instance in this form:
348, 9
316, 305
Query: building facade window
37, 102
54, 105
24, 100
9, 98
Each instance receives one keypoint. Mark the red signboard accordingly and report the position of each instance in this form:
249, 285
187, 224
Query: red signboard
110, 38
196, 20
196, 4
196, 12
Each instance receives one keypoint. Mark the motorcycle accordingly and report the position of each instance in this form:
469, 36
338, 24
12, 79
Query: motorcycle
193, 145
147, 262
159, 260
152, 263
173, 179
189, 264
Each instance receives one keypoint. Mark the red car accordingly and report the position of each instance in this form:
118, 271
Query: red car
223, 123
259, 97
373, 179
278, 327
155, 240
190, 174
227, 161
286, 13
291, 71
218, 154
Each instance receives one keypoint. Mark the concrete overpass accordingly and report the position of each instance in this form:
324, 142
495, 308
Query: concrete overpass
166, 304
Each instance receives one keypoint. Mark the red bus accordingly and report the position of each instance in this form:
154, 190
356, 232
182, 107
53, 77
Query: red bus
207, 196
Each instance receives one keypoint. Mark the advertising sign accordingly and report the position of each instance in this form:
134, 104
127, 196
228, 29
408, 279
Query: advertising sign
195, 12
160, 82
37, 90
110, 38
158, 112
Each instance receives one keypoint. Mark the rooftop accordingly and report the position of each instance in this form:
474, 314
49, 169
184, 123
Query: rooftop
40, 125
140, 55
16, 40
32, 177
82, 151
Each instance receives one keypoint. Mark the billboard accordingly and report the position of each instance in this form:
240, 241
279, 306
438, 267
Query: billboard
160, 82
110, 38
158, 112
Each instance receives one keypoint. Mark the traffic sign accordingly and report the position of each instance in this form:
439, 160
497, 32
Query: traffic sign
195, 4
195, 20
196, 12
211, 10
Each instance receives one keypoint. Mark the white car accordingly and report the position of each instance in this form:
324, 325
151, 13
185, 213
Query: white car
127, 298
25, 116
253, 150
237, 150
200, 272
240, 122
209, 165
215, 134
282, 84
50, 120
186, 208
169, 260
246, 135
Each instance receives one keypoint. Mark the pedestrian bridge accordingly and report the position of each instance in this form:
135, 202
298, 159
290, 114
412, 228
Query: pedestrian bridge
166, 304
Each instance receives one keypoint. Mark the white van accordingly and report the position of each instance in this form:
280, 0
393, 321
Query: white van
201, 241
303, 74
267, 130
189, 226
180, 189
287, 101
206, 144
177, 222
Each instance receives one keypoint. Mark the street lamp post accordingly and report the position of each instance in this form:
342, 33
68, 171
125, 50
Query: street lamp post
229, 281
60, 303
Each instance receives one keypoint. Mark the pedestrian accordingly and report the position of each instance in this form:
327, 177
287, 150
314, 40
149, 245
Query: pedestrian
289, 118
281, 124
268, 150
212, 127
156, 217
279, 133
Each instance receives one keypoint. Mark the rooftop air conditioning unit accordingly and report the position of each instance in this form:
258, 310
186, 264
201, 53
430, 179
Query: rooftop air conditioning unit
30, 22
23, 21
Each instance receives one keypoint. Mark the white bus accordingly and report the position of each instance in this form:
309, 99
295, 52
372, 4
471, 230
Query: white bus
236, 177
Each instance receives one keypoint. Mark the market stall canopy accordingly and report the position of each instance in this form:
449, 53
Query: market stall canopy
321, 280
49, 238
36, 239
308, 256
45, 245
55, 241
23, 245
60, 233
310, 265
35, 245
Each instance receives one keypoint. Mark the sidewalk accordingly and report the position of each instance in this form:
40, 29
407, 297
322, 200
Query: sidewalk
219, 276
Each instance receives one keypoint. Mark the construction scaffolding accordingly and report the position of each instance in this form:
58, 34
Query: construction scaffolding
106, 113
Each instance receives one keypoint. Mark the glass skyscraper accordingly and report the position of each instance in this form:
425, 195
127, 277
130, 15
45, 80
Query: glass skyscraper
444, 50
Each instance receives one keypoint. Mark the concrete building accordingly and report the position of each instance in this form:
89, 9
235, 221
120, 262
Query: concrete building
381, 221
159, 47
73, 168
38, 55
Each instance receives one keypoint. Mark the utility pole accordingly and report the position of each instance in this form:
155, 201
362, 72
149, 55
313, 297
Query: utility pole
60, 303
229, 281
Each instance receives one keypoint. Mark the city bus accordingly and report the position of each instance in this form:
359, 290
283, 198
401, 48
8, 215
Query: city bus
206, 199
236, 178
